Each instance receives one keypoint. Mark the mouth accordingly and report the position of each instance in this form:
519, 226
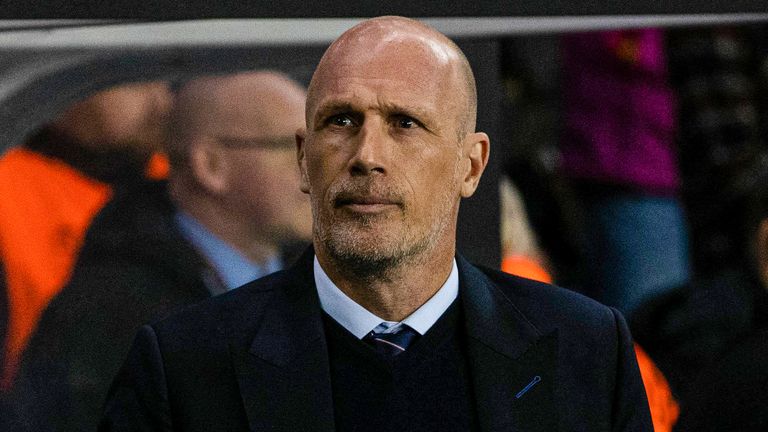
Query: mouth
366, 204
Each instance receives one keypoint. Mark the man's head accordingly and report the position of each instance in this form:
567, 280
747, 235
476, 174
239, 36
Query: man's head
390, 147
129, 116
232, 157
755, 223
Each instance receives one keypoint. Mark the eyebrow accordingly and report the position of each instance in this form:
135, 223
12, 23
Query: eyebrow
331, 107
387, 108
410, 111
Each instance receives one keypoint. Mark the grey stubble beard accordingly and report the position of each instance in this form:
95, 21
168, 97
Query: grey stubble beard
366, 259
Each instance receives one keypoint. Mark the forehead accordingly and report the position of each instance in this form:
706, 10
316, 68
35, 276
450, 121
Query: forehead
409, 71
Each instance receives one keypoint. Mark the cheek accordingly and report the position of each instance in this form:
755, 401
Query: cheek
252, 191
322, 168
249, 176
435, 180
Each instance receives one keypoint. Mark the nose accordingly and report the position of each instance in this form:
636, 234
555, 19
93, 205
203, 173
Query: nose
372, 151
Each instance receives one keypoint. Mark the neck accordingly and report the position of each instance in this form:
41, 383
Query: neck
395, 292
225, 225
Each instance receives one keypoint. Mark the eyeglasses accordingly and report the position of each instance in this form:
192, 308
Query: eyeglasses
266, 143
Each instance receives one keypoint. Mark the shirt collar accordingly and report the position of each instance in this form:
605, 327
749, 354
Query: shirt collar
359, 321
233, 268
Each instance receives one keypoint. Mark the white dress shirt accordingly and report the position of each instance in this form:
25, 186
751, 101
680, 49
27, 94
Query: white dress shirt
360, 321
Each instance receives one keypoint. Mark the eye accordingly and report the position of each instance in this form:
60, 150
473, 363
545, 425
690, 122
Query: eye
341, 120
406, 122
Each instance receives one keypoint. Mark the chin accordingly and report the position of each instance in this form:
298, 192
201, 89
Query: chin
370, 252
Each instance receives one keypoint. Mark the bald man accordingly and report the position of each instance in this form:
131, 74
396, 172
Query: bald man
231, 206
234, 173
382, 326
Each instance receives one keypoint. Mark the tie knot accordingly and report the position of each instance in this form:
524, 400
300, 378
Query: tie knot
391, 344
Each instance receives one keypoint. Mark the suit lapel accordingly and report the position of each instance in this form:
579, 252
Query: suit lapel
283, 372
513, 365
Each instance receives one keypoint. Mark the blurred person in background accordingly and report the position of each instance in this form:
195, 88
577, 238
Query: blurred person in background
729, 392
722, 82
52, 186
521, 254
618, 150
231, 206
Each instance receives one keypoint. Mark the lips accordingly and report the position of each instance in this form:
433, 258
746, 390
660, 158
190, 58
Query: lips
365, 203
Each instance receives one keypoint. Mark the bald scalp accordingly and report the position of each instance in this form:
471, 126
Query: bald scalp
389, 30
206, 104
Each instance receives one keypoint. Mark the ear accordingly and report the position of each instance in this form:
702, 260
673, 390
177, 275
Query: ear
301, 158
477, 148
762, 251
209, 166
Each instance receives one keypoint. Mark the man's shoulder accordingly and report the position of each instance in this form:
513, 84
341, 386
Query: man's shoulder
522, 287
548, 305
235, 310
133, 242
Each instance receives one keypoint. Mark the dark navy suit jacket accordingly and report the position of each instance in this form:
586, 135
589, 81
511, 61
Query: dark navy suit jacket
541, 359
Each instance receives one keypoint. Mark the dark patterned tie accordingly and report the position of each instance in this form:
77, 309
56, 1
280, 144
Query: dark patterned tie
391, 344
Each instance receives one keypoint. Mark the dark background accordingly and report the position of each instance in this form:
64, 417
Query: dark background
188, 9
